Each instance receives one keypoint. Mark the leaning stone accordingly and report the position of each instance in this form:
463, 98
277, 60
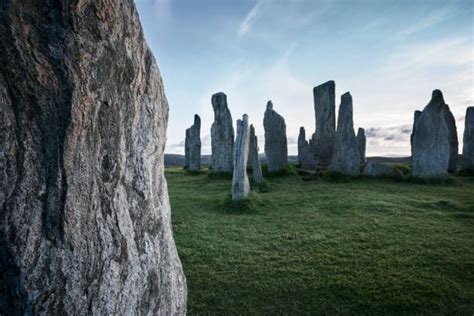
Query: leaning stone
375, 169
346, 157
222, 135
240, 180
361, 142
431, 141
195, 145
276, 150
253, 157
85, 220
468, 140
325, 113
305, 156
453, 139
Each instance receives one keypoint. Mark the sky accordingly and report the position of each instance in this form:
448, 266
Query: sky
390, 55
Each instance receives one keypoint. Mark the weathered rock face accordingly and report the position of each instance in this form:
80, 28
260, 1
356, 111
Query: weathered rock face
415, 119
468, 140
276, 149
361, 142
305, 155
187, 149
222, 135
453, 139
346, 158
240, 180
375, 169
85, 221
430, 143
253, 157
325, 112
195, 145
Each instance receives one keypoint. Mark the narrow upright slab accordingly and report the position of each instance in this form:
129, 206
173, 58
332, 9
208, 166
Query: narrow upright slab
222, 135
431, 140
276, 148
305, 156
416, 115
325, 113
187, 152
346, 157
468, 140
253, 157
361, 142
453, 139
195, 145
240, 180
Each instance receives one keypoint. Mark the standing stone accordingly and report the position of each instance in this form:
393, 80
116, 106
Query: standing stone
85, 221
453, 139
361, 142
276, 149
240, 180
195, 145
431, 140
305, 156
346, 158
253, 157
468, 140
415, 119
187, 152
222, 135
325, 112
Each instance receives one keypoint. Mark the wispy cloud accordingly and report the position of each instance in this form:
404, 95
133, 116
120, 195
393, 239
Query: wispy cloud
250, 18
430, 20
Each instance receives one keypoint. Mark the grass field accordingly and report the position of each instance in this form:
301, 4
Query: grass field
367, 246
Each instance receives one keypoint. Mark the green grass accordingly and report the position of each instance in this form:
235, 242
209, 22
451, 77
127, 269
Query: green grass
363, 246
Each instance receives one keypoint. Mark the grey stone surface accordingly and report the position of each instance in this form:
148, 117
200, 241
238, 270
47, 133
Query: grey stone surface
431, 143
85, 221
376, 169
468, 140
276, 148
187, 149
325, 113
222, 135
361, 142
346, 157
416, 115
305, 155
453, 139
240, 180
253, 157
195, 145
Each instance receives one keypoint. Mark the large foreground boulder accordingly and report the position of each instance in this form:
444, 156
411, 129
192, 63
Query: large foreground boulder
85, 223
305, 155
468, 140
195, 145
222, 135
325, 112
431, 140
253, 157
276, 149
346, 158
240, 180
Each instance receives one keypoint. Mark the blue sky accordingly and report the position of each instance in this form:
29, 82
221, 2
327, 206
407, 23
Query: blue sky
389, 54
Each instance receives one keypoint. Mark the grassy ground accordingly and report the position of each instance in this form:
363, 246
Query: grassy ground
321, 247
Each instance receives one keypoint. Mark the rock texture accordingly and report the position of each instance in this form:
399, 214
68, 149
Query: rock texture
240, 180
305, 155
195, 145
325, 112
187, 149
85, 221
222, 135
346, 157
253, 157
361, 142
276, 149
376, 169
468, 140
453, 139
416, 115
431, 140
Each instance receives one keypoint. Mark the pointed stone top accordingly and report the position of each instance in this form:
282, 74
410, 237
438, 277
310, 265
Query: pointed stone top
245, 118
437, 100
269, 105
327, 85
219, 100
437, 95
360, 131
197, 120
302, 130
346, 98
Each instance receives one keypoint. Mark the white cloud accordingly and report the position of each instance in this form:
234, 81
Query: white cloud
428, 21
250, 18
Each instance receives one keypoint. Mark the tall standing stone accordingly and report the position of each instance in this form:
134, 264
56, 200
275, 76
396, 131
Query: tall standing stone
346, 157
253, 157
361, 142
305, 155
187, 149
453, 139
85, 221
325, 112
276, 149
240, 180
222, 135
416, 115
468, 140
431, 140
195, 145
